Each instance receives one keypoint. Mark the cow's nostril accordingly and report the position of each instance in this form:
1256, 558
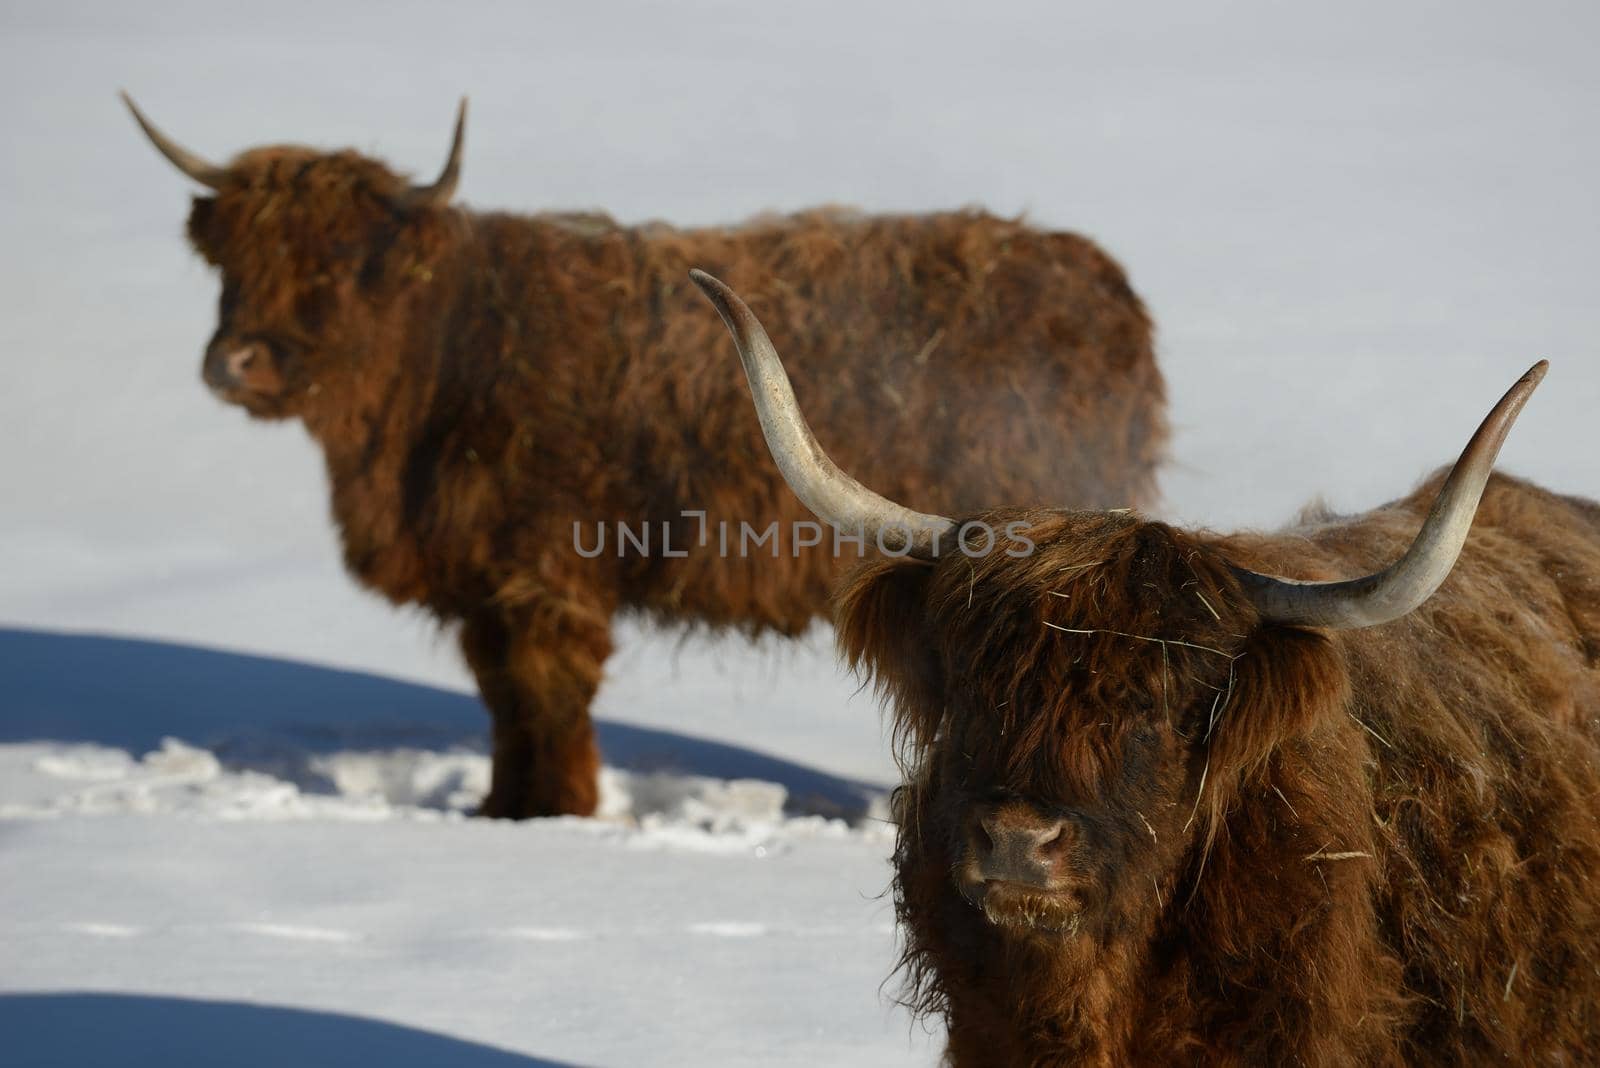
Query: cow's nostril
240, 360
1053, 839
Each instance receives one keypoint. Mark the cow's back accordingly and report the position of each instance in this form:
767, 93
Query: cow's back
953, 362
950, 361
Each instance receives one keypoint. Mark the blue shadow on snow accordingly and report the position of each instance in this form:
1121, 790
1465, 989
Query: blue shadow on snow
134, 1031
259, 712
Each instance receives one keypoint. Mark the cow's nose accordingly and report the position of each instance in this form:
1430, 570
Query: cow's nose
229, 364
1016, 843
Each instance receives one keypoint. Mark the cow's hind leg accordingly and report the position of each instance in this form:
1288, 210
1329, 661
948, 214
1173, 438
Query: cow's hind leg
537, 672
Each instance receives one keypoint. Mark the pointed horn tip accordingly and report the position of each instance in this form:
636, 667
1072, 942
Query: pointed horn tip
199, 169
1520, 391
437, 194
709, 284
722, 297
736, 314
133, 109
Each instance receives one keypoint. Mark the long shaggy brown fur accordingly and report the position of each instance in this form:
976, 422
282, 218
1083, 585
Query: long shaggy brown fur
491, 390
1297, 847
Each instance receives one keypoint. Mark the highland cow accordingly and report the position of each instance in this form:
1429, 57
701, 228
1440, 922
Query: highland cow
495, 393
1163, 807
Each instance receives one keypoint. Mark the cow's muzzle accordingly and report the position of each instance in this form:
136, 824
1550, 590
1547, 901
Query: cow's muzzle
1015, 843
1018, 867
235, 369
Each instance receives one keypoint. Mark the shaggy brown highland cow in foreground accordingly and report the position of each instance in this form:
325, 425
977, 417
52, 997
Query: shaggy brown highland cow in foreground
1164, 809
493, 392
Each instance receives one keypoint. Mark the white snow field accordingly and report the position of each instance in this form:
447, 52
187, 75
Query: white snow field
232, 785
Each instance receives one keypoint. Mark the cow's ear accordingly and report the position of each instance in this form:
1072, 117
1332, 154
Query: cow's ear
1285, 684
880, 613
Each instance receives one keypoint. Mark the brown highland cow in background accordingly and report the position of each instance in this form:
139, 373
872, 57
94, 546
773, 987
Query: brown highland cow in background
1162, 808
487, 388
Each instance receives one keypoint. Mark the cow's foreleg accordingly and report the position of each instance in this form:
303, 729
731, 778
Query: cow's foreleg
537, 672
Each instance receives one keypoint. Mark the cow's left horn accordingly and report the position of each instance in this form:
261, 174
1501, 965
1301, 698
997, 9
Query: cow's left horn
833, 496
1405, 584
207, 174
443, 188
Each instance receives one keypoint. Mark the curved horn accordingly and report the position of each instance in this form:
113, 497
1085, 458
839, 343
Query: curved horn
1405, 584
207, 174
443, 188
833, 496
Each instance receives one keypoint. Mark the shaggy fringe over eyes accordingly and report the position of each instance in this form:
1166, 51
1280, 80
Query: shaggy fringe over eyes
1051, 649
301, 219
1071, 651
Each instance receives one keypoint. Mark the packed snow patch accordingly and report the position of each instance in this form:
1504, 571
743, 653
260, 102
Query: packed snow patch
648, 810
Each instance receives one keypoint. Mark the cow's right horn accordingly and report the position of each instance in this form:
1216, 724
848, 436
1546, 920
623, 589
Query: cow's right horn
833, 496
437, 193
207, 174
1403, 585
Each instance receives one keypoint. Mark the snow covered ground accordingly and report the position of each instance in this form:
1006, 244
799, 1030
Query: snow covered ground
1356, 225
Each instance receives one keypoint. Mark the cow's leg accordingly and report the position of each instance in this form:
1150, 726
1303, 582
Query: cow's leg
537, 672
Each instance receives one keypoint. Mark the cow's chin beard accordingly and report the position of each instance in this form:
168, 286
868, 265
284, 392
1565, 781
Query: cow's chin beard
1017, 910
